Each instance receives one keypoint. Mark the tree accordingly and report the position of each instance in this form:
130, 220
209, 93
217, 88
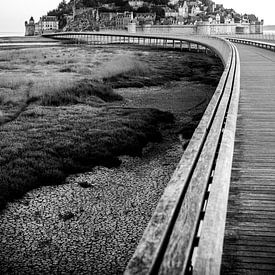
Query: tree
90, 3
160, 2
62, 9
62, 6
143, 9
160, 13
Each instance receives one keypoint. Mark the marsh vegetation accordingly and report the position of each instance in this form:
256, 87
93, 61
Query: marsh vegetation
89, 140
58, 115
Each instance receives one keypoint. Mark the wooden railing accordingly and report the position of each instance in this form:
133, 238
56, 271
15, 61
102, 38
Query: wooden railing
260, 44
185, 233
190, 216
256, 36
177, 43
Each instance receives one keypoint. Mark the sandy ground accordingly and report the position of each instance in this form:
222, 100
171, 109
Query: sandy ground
92, 224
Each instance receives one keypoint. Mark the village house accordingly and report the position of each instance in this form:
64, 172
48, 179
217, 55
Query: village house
106, 19
48, 23
123, 19
171, 13
145, 18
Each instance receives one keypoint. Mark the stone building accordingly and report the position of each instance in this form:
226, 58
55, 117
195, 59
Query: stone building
123, 19
29, 27
48, 24
170, 13
184, 10
106, 20
218, 19
145, 18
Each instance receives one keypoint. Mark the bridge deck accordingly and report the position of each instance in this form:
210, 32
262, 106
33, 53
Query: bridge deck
249, 245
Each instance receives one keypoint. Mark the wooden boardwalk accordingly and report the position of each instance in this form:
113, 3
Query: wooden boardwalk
249, 244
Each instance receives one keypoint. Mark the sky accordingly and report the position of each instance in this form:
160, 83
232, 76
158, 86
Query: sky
13, 13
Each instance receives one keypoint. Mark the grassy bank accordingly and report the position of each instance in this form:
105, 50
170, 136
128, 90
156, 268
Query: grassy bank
45, 144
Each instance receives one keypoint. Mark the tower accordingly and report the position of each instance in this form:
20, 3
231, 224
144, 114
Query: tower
74, 9
193, 11
218, 19
183, 10
29, 27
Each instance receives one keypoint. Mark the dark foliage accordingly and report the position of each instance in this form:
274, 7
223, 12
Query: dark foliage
44, 144
79, 92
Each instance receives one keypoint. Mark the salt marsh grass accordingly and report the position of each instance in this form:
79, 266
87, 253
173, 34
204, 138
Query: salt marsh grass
57, 118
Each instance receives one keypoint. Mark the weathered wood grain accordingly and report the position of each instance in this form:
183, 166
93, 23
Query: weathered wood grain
208, 260
149, 253
179, 248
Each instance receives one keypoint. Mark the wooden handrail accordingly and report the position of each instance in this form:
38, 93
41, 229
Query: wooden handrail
217, 45
209, 252
259, 44
168, 242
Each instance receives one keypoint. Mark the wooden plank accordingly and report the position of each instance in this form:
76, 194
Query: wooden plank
266, 261
177, 254
250, 249
255, 253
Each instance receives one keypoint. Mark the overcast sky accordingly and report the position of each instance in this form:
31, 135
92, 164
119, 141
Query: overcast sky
13, 13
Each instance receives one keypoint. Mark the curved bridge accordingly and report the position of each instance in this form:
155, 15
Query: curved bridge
216, 214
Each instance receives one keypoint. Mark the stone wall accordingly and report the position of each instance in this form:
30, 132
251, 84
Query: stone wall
203, 28
215, 29
177, 29
29, 29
